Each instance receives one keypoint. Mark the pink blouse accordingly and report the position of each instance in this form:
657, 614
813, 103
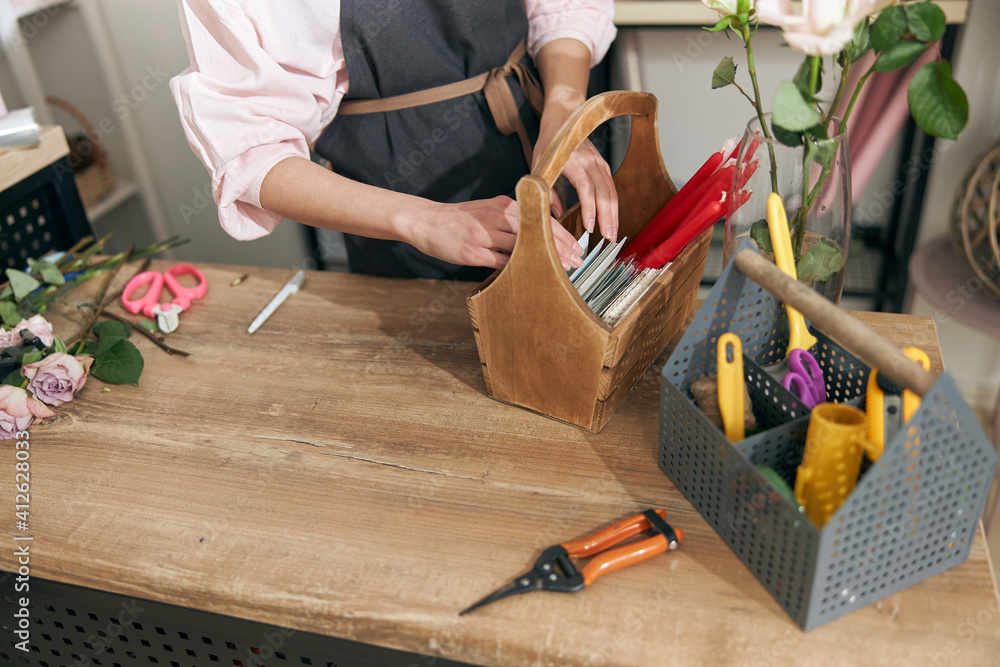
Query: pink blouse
267, 77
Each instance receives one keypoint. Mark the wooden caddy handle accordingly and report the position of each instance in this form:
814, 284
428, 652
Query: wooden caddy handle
836, 323
642, 181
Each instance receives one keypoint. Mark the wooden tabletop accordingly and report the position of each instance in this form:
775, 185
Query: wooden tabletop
341, 471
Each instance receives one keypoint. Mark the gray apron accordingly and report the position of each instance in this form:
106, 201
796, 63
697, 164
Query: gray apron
446, 151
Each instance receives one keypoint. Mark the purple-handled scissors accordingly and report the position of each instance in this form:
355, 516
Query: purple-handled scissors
805, 379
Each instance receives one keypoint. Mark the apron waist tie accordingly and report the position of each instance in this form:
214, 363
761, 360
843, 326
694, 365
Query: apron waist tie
494, 85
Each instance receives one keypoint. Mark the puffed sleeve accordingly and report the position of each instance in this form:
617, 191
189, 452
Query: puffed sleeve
265, 78
589, 21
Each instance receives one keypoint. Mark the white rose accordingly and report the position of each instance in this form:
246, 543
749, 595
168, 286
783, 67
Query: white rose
727, 7
823, 28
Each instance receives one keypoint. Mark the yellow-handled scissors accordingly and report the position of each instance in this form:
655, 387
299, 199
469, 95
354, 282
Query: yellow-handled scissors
732, 388
799, 337
887, 407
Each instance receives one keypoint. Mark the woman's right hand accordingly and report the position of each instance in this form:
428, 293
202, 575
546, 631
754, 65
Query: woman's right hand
480, 233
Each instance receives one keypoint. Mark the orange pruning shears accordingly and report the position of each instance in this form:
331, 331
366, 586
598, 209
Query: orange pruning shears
554, 571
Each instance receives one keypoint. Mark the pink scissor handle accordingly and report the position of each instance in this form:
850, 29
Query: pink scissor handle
151, 299
185, 295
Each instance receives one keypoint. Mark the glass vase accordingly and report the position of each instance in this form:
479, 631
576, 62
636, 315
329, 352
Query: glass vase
817, 175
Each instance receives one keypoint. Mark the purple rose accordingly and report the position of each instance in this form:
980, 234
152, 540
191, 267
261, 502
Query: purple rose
18, 410
56, 378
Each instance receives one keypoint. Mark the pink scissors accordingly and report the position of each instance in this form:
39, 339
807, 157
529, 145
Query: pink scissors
149, 303
805, 379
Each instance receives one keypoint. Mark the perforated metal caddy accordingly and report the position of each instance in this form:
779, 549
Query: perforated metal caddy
912, 515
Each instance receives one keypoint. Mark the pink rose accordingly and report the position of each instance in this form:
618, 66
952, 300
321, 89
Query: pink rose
9, 338
36, 324
56, 378
18, 410
823, 28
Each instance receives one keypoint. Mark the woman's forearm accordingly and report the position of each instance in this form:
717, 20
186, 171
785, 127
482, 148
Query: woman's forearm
301, 190
476, 233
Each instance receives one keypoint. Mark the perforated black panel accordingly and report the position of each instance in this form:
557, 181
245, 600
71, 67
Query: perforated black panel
40, 214
78, 627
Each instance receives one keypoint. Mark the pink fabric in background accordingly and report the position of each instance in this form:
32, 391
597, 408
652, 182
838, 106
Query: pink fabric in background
879, 114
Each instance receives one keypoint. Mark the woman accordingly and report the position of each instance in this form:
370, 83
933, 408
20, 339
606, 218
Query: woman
421, 187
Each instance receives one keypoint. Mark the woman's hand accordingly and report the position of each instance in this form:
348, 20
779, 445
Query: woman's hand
479, 233
564, 65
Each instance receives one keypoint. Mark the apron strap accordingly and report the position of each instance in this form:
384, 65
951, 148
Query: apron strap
494, 85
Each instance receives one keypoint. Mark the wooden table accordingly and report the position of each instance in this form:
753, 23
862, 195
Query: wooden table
341, 471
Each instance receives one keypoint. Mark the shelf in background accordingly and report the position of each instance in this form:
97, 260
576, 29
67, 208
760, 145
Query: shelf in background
25, 9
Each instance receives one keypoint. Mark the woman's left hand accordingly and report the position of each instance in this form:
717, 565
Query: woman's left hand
590, 175
564, 66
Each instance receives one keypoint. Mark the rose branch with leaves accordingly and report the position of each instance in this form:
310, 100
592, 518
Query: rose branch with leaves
41, 371
840, 32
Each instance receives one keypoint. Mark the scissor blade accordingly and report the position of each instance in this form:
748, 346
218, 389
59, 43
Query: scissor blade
520, 585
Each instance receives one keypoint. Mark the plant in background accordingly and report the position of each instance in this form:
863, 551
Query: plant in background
38, 370
838, 34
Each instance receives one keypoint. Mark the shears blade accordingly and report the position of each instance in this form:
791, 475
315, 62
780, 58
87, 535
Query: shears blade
522, 584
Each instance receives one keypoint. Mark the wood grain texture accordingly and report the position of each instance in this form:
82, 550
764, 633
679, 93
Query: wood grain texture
342, 471
19, 163
540, 345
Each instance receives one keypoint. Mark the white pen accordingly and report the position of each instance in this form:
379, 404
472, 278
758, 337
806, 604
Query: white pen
290, 288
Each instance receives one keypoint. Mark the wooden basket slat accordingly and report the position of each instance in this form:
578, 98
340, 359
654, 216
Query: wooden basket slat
540, 345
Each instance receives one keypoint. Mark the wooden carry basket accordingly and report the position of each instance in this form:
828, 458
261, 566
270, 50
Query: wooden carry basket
540, 345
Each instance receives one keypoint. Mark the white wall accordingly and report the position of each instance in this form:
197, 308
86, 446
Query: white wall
147, 41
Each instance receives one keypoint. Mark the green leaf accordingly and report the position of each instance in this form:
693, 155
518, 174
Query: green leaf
889, 28
821, 262
822, 151
59, 346
6, 293
791, 111
14, 378
148, 325
937, 102
30, 356
21, 283
861, 44
121, 364
898, 56
9, 314
786, 137
721, 25
926, 21
761, 235
49, 272
110, 332
724, 74
803, 80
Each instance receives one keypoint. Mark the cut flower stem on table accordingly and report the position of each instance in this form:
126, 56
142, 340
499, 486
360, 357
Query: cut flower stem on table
40, 370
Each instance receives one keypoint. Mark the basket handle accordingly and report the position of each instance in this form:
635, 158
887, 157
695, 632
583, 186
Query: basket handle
99, 155
641, 181
831, 320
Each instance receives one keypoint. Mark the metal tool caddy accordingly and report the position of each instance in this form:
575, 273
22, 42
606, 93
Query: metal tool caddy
912, 515
540, 345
